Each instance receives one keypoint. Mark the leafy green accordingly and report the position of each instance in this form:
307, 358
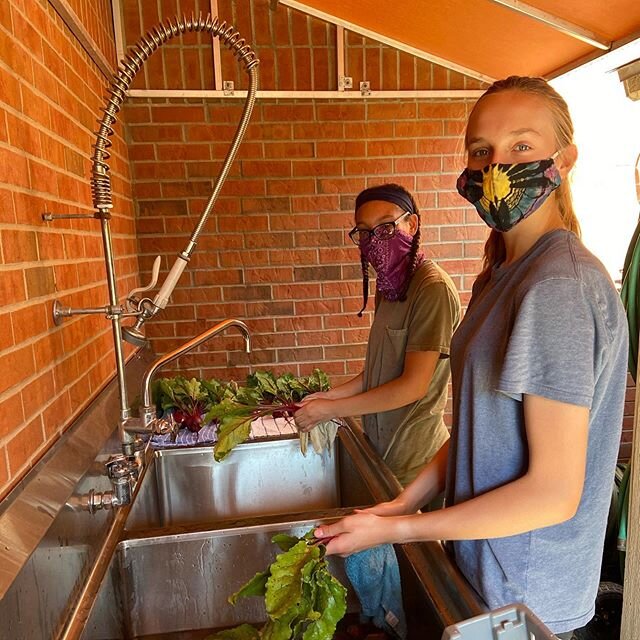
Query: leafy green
243, 632
232, 431
303, 600
233, 407
255, 587
284, 586
330, 602
285, 541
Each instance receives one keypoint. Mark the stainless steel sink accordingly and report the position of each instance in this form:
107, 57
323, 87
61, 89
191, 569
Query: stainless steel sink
257, 478
180, 583
199, 529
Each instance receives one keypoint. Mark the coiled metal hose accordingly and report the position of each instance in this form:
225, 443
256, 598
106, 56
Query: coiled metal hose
129, 67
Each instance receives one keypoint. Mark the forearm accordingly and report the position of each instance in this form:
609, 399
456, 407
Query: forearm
386, 397
522, 505
350, 388
429, 483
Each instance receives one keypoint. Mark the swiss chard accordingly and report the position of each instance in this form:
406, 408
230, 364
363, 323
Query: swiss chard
303, 600
265, 395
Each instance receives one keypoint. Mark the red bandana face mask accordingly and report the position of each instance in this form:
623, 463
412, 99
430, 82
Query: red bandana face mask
391, 260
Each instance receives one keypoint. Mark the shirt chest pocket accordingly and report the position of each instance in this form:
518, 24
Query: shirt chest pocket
393, 352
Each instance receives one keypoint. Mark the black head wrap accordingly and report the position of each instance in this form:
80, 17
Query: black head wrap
398, 195
387, 193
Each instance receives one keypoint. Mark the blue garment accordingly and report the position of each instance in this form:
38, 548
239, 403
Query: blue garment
375, 576
550, 324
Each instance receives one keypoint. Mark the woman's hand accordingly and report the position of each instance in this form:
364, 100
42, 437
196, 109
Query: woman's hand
313, 412
318, 395
356, 532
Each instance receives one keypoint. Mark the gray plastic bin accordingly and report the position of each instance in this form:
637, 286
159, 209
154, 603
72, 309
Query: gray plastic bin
513, 622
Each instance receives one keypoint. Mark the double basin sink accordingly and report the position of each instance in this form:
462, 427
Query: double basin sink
199, 529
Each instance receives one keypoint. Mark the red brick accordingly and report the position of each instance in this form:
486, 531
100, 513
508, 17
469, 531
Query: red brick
391, 110
340, 149
317, 168
243, 223
12, 287
289, 149
303, 323
29, 322
336, 321
16, 366
242, 258
293, 222
317, 307
288, 112
268, 275
368, 129
318, 131
455, 110
290, 187
19, 246
391, 147
368, 167
295, 256
305, 291
15, 168
11, 414
174, 113
341, 185
282, 240
300, 354
278, 168
21, 448
318, 338
315, 203
341, 111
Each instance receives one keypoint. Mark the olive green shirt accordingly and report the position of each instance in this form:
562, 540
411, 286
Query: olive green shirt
408, 437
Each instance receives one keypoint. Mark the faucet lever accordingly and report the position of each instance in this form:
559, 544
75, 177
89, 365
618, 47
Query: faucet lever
132, 298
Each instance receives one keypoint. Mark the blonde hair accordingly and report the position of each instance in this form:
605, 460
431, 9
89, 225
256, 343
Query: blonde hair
494, 249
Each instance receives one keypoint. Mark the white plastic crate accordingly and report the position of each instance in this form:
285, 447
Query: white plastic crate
513, 622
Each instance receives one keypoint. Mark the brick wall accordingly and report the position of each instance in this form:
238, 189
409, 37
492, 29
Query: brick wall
276, 252
49, 99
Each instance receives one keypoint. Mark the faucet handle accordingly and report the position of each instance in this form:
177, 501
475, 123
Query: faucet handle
133, 294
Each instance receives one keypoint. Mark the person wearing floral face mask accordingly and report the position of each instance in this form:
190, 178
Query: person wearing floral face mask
539, 367
402, 392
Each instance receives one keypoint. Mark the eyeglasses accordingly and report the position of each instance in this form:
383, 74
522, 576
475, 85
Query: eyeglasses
384, 231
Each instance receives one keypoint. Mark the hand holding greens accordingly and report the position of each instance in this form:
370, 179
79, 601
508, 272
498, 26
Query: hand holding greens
303, 600
196, 402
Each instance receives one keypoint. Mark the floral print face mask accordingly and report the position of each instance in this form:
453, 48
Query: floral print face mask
505, 194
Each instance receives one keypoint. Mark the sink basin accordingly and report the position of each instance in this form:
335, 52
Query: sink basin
179, 584
199, 529
185, 486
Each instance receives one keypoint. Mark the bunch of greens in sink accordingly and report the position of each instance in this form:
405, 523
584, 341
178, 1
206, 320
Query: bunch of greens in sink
264, 395
303, 600
189, 400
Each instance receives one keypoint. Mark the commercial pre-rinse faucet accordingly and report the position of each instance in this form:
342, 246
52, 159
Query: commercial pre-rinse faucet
138, 306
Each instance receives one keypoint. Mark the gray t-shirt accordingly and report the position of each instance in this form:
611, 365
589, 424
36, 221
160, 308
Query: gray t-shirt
550, 324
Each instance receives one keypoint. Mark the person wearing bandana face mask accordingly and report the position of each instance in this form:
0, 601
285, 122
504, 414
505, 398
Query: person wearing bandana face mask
539, 367
402, 392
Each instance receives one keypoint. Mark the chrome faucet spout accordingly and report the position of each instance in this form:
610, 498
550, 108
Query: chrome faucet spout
147, 410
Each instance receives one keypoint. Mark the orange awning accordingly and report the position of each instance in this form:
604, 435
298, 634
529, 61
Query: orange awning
491, 38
